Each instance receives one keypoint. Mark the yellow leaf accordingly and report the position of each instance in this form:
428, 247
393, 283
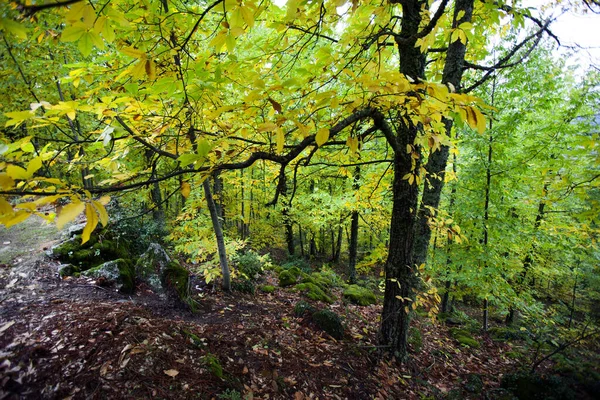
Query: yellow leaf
185, 189
101, 212
92, 222
133, 52
17, 218
6, 182
322, 136
247, 16
16, 172
104, 200
34, 165
280, 140
5, 207
230, 42
13, 27
139, 69
69, 213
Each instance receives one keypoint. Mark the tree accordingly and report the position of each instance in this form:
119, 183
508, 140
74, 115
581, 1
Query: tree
219, 86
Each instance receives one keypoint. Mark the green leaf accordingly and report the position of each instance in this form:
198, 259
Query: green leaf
86, 44
13, 27
72, 33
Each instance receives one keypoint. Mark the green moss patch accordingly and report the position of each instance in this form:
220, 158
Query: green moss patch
267, 288
177, 278
289, 277
464, 337
359, 295
314, 292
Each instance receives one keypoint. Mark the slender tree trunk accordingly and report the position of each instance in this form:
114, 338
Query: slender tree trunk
301, 237
353, 246
218, 234
573, 301
486, 215
289, 231
338, 247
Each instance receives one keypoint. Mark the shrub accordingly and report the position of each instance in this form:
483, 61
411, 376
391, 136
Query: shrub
302, 307
250, 264
314, 292
330, 322
243, 286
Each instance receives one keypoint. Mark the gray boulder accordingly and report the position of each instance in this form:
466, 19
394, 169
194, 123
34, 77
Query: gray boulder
119, 273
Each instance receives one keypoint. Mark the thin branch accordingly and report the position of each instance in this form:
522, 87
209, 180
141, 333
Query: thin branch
142, 141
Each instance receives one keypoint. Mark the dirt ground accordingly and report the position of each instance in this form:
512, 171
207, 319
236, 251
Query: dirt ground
73, 339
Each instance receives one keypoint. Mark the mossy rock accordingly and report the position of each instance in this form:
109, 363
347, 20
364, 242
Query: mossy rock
118, 272
464, 337
165, 277
65, 270
178, 279
359, 295
213, 364
289, 277
330, 322
313, 292
302, 308
267, 288
90, 254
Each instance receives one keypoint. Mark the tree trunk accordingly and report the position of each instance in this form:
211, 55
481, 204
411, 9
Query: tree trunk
353, 245
338, 247
436, 164
218, 234
289, 231
400, 275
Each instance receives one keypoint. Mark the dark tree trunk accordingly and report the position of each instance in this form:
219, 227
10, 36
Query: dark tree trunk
436, 164
353, 246
400, 275
338, 247
218, 234
289, 231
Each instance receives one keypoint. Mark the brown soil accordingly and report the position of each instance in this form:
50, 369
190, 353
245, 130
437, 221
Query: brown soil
72, 339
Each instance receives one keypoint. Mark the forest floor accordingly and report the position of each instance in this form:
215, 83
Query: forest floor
71, 339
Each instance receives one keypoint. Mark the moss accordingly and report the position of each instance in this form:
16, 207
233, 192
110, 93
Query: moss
313, 292
68, 270
267, 289
302, 307
90, 254
213, 364
359, 295
464, 337
330, 322
502, 333
474, 383
177, 278
287, 278
533, 386
120, 272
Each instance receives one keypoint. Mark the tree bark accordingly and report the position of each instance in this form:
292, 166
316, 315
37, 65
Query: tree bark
218, 234
436, 164
353, 246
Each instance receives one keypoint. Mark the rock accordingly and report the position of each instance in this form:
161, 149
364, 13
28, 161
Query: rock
90, 254
65, 270
165, 277
359, 295
314, 292
117, 272
330, 322
76, 229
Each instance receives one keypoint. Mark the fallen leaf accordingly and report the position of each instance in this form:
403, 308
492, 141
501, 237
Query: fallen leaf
171, 372
6, 326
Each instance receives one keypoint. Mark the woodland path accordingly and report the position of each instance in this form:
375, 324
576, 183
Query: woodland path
71, 339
